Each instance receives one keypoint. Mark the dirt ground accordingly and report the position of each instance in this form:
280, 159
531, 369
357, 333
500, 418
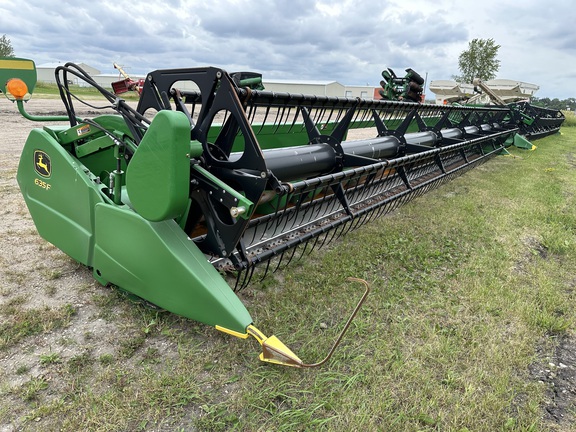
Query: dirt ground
36, 274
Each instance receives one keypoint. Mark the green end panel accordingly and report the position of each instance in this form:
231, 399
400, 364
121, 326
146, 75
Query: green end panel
60, 195
522, 142
12, 67
158, 176
158, 262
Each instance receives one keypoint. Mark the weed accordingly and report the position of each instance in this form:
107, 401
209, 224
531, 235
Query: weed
22, 369
50, 290
152, 356
570, 119
50, 358
30, 390
129, 346
80, 363
106, 359
53, 274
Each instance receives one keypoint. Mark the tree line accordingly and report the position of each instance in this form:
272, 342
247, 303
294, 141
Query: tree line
559, 104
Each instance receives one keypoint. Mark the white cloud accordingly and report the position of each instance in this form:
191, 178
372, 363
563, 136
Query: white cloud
348, 41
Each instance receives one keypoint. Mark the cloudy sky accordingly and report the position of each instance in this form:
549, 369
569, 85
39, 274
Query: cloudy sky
343, 40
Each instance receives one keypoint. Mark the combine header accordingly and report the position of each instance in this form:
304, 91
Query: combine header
408, 88
206, 177
533, 122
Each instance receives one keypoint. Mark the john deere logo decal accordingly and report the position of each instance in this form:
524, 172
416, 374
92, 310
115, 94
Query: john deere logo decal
42, 163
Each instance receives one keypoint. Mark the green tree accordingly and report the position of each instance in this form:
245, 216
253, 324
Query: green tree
555, 103
6, 49
478, 61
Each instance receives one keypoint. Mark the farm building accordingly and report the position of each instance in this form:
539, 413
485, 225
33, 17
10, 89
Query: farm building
312, 87
45, 72
318, 88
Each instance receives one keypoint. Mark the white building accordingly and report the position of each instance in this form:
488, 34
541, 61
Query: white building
318, 88
313, 87
309, 87
46, 72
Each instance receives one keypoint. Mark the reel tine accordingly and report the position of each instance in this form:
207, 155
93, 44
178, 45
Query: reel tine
280, 258
324, 237
248, 273
347, 227
291, 256
334, 232
316, 239
279, 118
294, 120
303, 252
266, 270
249, 278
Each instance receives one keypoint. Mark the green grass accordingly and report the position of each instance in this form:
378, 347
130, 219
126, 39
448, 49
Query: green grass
19, 323
472, 285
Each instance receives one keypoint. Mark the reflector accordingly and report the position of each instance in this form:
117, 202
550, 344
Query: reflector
17, 88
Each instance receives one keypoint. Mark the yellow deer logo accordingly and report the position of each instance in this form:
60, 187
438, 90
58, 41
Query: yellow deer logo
42, 164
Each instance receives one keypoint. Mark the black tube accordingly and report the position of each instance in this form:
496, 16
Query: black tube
376, 148
423, 138
292, 163
452, 133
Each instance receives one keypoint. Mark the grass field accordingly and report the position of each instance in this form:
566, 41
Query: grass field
473, 289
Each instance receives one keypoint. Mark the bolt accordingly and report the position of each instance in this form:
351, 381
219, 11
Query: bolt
237, 211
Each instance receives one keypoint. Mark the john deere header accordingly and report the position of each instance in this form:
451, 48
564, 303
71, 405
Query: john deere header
163, 200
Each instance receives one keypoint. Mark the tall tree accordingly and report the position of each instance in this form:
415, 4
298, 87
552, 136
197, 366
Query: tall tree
478, 61
6, 49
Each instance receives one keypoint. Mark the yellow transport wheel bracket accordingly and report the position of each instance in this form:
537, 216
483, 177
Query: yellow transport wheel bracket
274, 351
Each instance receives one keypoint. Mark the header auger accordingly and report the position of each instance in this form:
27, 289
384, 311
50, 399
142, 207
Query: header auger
206, 177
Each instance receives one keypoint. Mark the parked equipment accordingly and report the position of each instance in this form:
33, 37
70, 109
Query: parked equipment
163, 199
127, 84
408, 88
